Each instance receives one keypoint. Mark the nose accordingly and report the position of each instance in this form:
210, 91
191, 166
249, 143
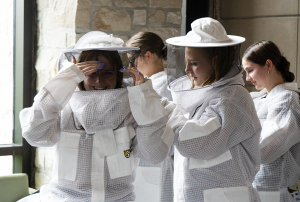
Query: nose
248, 78
188, 68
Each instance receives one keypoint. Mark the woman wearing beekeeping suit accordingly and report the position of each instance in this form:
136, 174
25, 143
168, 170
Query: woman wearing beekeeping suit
218, 152
277, 107
153, 182
99, 129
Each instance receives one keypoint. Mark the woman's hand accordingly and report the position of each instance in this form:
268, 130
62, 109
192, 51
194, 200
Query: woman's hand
137, 76
88, 67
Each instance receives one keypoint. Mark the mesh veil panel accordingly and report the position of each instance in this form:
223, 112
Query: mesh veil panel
100, 110
180, 85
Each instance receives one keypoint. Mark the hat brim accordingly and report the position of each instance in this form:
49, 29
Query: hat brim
181, 41
119, 49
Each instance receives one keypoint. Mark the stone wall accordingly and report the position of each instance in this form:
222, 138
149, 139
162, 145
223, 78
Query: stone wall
6, 81
56, 31
124, 18
63, 22
256, 20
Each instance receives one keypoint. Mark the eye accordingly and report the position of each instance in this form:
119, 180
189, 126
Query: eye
194, 63
94, 73
249, 71
108, 73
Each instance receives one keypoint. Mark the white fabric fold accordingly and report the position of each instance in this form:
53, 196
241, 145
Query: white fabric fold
198, 163
25, 116
168, 136
68, 154
118, 164
269, 196
230, 194
106, 142
62, 86
269, 133
192, 128
145, 104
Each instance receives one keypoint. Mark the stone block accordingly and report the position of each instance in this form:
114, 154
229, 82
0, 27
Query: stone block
174, 17
83, 14
130, 3
62, 16
46, 66
47, 4
71, 39
40, 158
139, 17
157, 16
281, 30
166, 3
103, 3
112, 20
54, 39
41, 179
163, 32
246, 8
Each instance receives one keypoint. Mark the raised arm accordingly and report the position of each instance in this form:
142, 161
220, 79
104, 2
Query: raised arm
153, 135
40, 123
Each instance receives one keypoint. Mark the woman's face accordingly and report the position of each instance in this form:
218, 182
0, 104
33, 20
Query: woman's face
103, 79
198, 67
255, 73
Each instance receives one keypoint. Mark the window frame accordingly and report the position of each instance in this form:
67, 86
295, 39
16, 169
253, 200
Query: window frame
24, 75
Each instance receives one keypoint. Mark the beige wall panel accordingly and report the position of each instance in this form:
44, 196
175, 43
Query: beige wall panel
282, 31
251, 8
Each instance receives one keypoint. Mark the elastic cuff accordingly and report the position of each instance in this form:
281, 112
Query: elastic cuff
80, 74
144, 86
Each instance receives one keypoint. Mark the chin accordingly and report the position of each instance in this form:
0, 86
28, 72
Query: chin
259, 87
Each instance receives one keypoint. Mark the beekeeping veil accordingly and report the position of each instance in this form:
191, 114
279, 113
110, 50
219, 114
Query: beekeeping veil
97, 109
206, 32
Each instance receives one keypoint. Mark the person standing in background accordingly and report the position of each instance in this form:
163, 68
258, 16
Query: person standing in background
149, 61
277, 107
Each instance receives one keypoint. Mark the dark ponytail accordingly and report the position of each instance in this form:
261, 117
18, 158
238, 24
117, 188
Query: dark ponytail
149, 41
284, 69
262, 51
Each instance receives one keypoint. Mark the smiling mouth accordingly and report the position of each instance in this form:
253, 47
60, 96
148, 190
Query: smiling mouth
96, 88
254, 83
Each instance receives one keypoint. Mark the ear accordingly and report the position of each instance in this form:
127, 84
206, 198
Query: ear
148, 56
269, 64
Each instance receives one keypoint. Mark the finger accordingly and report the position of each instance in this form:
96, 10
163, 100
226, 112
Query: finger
88, 72
73, 59
135, 74
90, 66
91, 62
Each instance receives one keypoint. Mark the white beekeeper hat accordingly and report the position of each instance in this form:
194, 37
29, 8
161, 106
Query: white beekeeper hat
206, 32
94, 40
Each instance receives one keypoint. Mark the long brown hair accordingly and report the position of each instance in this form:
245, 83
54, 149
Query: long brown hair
262, 51
113, 57
221, 59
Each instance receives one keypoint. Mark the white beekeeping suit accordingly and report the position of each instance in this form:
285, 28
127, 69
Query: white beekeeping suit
279, 113
154, 182
95, 164
217, 154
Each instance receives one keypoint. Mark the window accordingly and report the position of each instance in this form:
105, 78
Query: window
17, 53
